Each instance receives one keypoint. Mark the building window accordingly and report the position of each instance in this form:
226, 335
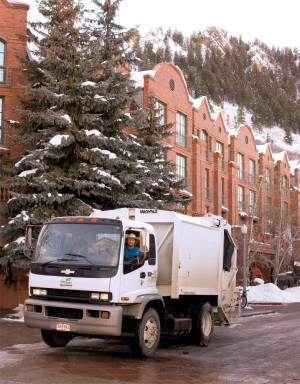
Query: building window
207, 194
182, 206
204, 136
220, 149
285, 211
161, 112
241, 164
241, 199
172, 85
252, 172
224, 197
2, 61
269, 208
181, 129
285, 186
180, 167
252, 202
268, 178
1, 165
206, 209
1, 117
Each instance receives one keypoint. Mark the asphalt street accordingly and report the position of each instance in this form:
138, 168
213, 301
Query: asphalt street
263, 347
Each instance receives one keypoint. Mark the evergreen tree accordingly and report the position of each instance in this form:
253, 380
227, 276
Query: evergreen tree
241, 115
81, 158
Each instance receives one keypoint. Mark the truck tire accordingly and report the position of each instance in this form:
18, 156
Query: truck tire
55, 339
244, 300
203, 325
147, 335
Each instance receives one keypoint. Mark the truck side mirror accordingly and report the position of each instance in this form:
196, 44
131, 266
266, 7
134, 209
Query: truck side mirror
28, 250
144, 241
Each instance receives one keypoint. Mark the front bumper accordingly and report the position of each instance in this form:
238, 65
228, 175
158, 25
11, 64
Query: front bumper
86, 324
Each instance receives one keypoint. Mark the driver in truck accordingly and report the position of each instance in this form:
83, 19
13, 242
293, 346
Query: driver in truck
130, 249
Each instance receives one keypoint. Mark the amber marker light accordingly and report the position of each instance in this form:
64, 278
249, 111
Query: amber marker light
80, 220
68, 219
93, 220
105, 315
125, 298
29, 308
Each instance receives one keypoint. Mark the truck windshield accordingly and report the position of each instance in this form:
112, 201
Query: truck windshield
88, 244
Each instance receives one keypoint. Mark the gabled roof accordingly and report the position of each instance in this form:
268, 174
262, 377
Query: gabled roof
264, 149
280, 157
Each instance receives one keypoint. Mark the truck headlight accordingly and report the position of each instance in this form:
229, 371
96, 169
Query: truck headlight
39, 292
100, 296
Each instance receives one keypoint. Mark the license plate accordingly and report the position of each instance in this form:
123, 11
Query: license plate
63, 327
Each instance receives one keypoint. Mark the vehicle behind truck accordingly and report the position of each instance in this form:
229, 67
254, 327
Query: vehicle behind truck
182, 282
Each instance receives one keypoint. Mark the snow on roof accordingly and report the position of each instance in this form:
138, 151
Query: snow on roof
24, 2
197, 102
138, 77
294, 164
263, 148
280, 157
234, 132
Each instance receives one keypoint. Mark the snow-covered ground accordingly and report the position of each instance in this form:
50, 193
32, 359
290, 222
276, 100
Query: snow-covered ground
270, 293
263, 293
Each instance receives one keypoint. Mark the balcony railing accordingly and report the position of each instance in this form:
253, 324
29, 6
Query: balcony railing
208, 194
5, 76
224, 201
183, 141
186, 183
208, 156
224, 166
243, 207
242, 175
253, 179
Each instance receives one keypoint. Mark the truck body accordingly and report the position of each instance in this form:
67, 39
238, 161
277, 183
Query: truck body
181, 283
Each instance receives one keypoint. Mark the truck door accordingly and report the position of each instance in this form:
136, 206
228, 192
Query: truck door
139, 273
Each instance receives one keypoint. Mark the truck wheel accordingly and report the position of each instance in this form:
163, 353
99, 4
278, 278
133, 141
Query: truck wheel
244, 300
147, 335
55, 339
203, 325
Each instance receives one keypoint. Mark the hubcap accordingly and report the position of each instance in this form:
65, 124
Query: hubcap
150, 333
206, 323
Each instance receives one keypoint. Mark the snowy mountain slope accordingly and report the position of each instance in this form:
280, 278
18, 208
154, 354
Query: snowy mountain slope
274, 135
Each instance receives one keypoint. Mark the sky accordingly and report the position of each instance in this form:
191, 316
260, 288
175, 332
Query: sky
274, 22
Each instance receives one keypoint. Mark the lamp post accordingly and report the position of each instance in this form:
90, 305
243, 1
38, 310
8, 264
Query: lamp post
244, 295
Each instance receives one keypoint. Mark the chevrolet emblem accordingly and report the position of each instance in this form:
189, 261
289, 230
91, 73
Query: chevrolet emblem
67, 271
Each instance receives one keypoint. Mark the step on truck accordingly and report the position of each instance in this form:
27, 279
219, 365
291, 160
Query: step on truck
181, 281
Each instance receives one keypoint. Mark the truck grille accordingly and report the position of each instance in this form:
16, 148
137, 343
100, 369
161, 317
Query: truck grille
65, 294
65, 313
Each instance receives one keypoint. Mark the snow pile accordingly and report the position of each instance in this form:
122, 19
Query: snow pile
270, 293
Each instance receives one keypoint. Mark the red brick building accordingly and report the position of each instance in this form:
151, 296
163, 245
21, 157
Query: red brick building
226, 173
13, 17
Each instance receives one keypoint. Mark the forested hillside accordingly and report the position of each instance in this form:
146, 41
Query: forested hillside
263, 80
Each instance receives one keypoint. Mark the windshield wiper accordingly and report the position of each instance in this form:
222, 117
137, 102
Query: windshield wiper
84, 257
52, 261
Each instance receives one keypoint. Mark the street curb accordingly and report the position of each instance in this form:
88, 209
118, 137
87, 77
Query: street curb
265, 303
257, 313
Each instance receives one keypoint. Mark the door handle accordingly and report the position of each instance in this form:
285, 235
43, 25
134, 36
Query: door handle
142, 275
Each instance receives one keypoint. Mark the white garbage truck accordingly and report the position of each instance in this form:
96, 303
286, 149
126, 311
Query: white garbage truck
180, 281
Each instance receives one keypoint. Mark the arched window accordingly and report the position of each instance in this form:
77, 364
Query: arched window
2, 61
204, 136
